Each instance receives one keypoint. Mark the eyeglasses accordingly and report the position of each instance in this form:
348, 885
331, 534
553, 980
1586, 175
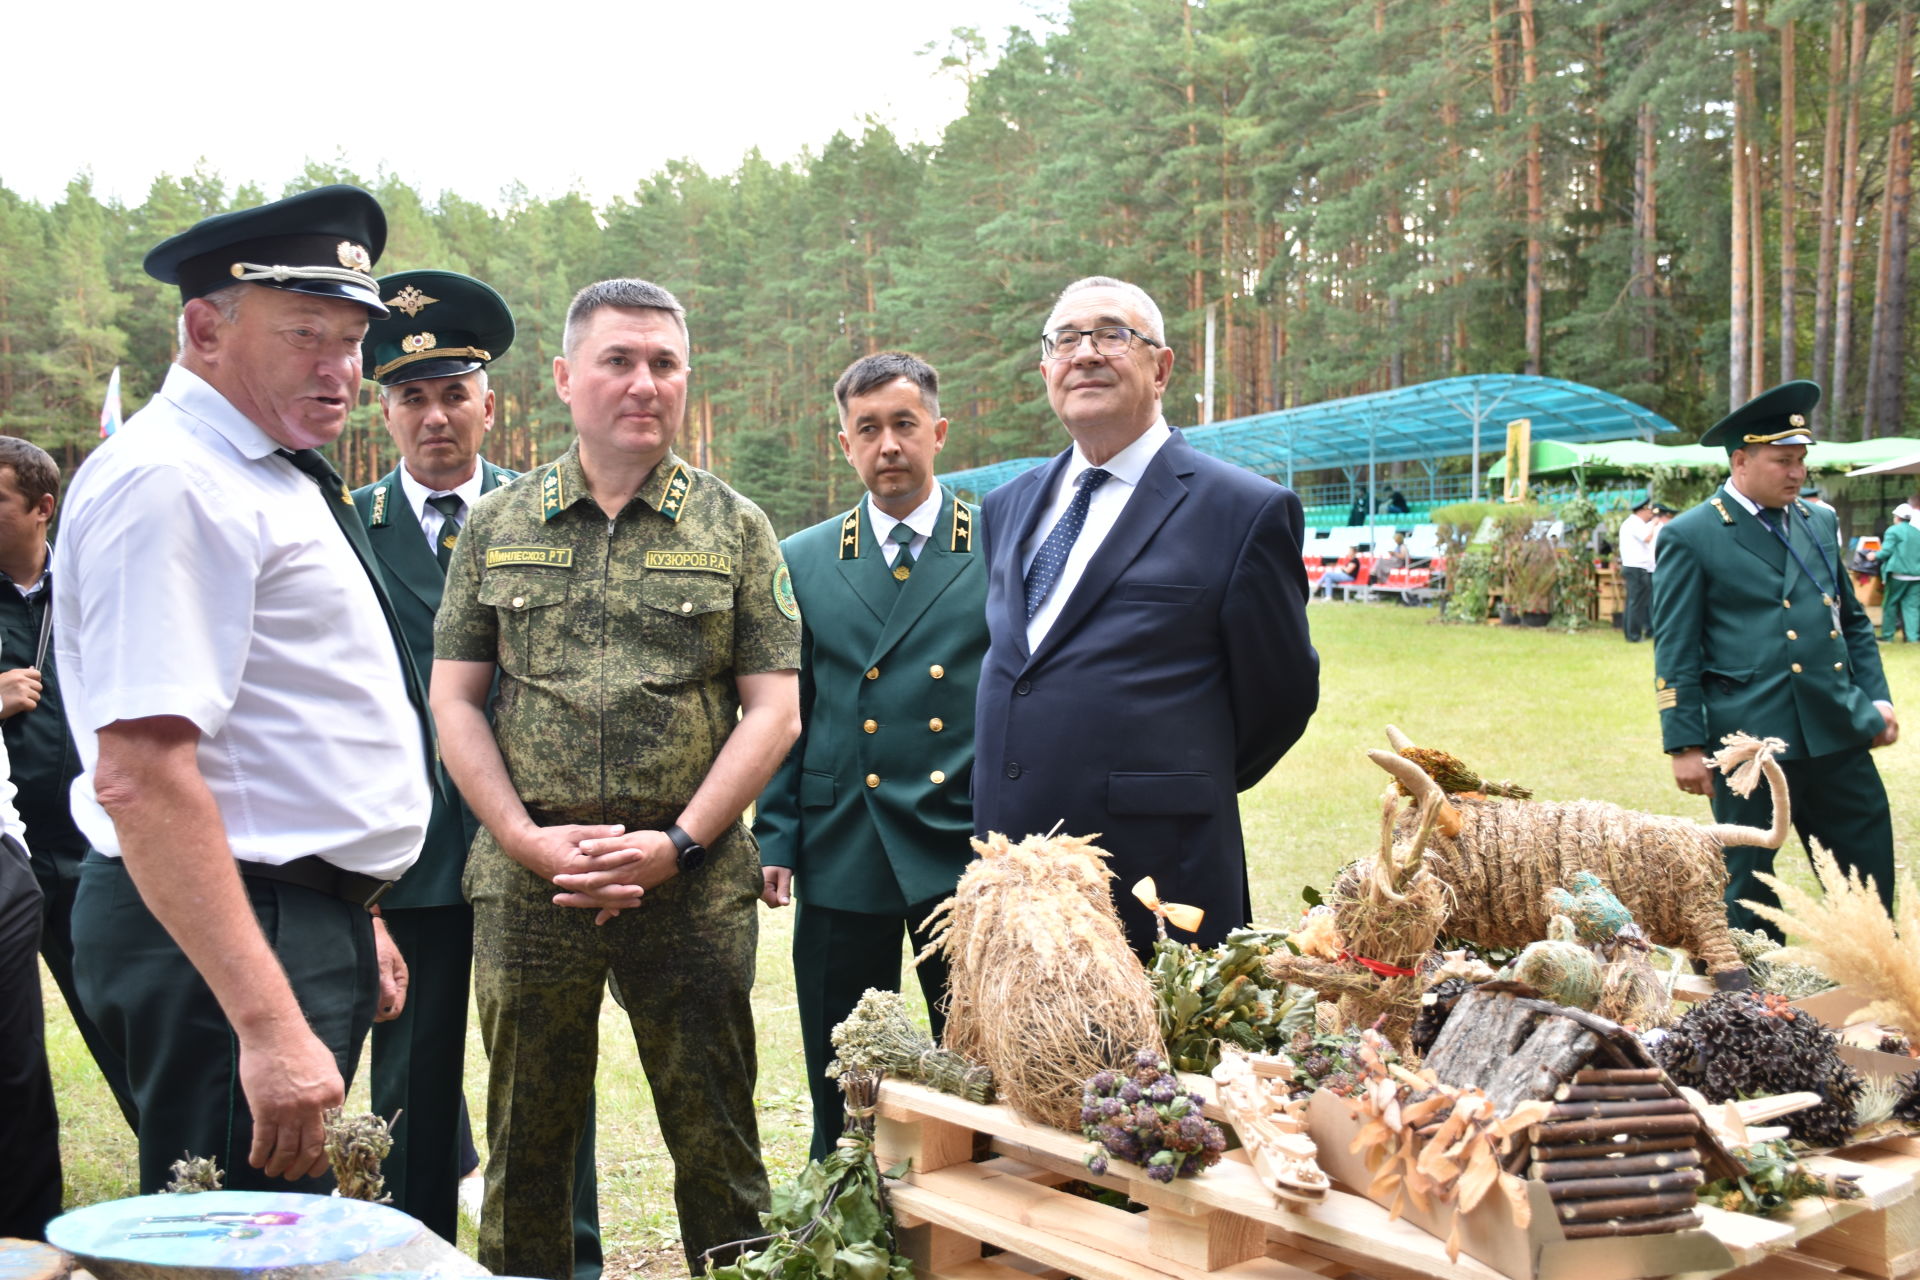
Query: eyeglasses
1108, 340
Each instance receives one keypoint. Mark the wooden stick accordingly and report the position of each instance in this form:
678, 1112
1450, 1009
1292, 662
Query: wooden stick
1620, 1075
1632, 1226
1624, 1207
1613, 1110
1625, 1147
1625, 1185
1625, 1126
1658, 1162
1571, 1092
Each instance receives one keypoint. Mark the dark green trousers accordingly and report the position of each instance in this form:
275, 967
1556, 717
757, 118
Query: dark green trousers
684, 962
1901, 610
837, 955
419, 1060
159, 1019
1839, 800
59, 877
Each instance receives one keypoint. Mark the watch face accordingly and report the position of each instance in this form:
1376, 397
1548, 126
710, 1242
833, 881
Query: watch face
693, 857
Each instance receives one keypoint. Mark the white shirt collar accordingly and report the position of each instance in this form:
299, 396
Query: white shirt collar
921, 519
417, 493
1130, 463
197, 398
1752, 507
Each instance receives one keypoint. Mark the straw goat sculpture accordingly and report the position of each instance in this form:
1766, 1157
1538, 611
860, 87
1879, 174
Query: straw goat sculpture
1500, 857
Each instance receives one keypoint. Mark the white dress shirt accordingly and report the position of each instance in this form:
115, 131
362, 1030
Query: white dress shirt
921, 520
429, 517
1636, 543
1103, 511
10, 824
202, 576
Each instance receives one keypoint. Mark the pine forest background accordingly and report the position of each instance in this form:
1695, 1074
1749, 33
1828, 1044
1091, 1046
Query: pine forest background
1680, 201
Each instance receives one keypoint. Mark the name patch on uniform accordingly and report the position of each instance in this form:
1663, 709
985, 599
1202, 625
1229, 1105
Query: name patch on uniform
691, 561
551, 557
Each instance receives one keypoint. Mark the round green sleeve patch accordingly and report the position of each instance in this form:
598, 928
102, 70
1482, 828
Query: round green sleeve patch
783, 592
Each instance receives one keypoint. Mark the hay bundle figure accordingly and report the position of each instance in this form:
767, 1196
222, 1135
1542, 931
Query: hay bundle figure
1387, 912
1507, 854
1042, 987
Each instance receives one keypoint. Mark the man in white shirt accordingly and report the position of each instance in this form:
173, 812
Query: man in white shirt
1636, 567
1146, 607
253, 745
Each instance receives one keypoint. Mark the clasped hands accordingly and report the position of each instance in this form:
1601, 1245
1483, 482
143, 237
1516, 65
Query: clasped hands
603, 867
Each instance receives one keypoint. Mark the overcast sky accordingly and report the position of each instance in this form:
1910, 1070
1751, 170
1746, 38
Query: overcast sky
559, 96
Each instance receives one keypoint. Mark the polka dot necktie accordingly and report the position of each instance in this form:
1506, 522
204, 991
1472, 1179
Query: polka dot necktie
449, 506
1052, 560
903, 558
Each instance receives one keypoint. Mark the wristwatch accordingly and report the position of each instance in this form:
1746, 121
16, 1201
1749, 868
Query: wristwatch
693, 854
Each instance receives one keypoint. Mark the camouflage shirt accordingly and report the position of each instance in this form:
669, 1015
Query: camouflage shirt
617, 640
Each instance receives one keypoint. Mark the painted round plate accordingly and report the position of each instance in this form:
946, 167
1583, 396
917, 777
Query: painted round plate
232, 1230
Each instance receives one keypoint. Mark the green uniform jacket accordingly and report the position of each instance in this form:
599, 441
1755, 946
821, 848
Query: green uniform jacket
415, 583
1900, 549
1743, 641
872, 807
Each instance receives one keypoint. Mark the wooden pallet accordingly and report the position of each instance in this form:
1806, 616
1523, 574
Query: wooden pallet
985, 1176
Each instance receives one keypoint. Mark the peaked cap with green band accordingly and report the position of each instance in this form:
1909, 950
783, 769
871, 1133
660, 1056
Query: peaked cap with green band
1778, 416
439, 324
324, 241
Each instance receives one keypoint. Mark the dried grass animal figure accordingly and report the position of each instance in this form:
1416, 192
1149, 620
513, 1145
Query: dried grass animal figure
1042, 987
1506, 855
1387, 912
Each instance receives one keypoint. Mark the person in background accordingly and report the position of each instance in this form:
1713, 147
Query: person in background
1899, 562
29, 1127
1636, 568
1756, 629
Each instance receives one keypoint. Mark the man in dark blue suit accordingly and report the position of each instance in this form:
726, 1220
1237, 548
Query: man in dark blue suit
1146, 607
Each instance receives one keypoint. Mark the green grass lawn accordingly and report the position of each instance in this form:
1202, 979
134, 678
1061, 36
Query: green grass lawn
1571, 716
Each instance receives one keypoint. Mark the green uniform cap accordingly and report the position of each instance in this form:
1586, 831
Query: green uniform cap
323, 241
439, 324
1778, 416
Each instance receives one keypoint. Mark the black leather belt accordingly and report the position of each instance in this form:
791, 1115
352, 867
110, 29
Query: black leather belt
323, 877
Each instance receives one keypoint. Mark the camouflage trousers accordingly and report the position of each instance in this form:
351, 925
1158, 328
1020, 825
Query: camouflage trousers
684, 962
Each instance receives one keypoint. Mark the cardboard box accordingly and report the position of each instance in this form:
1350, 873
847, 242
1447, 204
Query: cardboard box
1542, 1251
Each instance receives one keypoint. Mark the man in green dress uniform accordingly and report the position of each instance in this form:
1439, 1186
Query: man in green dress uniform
869, 817
429, 356
1899, 561
646, 641
1756, 629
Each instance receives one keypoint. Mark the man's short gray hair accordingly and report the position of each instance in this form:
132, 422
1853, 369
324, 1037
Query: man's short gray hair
225, 300
1149, 311
628, 294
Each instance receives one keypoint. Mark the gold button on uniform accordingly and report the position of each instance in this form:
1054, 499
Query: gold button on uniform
1796, 668
519, 602
1786, 604
936, 671
1839, 666
871, 726
936, 777
873, 673
936, 724
1833, 635
873, 779
1793, 635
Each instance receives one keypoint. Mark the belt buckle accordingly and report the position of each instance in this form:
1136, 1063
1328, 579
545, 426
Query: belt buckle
379, 893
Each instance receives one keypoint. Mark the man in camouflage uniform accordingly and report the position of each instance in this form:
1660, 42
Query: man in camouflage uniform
646, 639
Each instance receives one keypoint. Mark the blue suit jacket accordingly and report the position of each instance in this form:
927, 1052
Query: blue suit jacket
1177, 674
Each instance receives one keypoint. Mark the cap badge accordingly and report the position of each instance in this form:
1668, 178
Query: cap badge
411, 301
416, 342
354, 257
1797, 420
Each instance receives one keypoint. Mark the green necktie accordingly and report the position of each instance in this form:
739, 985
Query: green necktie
903, 558
448, 505
347, 516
